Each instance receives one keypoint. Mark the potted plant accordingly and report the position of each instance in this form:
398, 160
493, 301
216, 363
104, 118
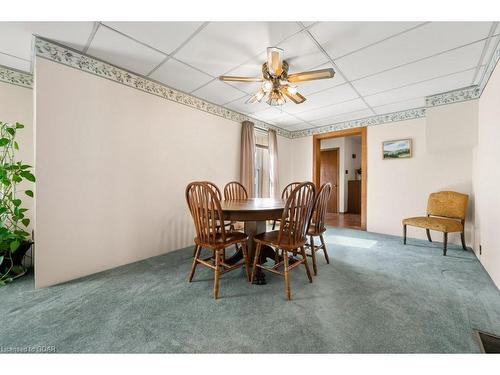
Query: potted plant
15, 241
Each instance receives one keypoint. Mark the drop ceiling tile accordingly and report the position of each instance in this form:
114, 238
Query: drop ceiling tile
312, 87
333, 110
308, 23
180, 76
424, 41
299, 126
491, 48
479, 75
165, 36
222, 46
117, 49
247, 108
451, 62
285, 120
218, 92
334, 95
269, 113
355, 115
341, 38
301, 53
400, 106
16, 37
423, 89
14, 62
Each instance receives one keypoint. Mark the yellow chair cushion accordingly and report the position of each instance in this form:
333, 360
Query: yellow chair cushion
435, 223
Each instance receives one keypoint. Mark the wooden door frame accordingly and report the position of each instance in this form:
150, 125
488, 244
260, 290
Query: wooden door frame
338, 172
316, 161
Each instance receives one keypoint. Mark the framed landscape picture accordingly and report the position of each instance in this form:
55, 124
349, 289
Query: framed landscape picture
398, 149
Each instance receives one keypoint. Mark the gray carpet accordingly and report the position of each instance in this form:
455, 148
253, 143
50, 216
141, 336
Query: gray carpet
376, 296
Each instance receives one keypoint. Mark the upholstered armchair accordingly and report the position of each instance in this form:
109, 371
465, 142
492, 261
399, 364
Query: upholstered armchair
446, 211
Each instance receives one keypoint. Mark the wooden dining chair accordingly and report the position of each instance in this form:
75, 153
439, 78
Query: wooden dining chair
317, 225
285, 194
235, 191
289, 238
207, 214
229, 226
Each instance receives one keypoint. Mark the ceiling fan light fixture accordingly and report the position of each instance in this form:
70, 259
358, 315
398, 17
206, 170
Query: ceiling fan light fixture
275, 98
276, 83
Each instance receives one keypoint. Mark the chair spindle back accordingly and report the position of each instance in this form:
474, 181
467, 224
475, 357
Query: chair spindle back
319, 209
297, 214
288, 190
206, 212
235, 191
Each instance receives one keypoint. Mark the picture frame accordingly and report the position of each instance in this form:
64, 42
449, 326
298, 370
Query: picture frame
397, 149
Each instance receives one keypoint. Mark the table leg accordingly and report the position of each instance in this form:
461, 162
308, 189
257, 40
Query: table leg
252, 228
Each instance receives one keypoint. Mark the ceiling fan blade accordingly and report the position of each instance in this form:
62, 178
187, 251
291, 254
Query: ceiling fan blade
295, 97
311, 75
240, 79
275, 61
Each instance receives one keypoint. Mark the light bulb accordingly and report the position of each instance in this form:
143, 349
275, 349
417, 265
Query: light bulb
260, 95
267, 86
292, 89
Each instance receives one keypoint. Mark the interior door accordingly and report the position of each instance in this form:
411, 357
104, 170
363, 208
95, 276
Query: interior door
329, 172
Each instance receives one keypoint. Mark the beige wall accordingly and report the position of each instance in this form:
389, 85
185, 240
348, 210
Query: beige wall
284, 161
16, 105
112, 166
487, 178
399, 188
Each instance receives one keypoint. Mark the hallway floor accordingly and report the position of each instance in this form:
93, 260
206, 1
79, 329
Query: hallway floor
340, 220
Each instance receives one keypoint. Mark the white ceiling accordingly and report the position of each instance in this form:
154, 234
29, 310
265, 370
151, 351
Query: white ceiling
381, 67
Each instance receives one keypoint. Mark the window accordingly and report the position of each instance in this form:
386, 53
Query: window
262, 182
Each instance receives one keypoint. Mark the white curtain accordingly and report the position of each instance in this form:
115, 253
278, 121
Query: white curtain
247, 160
273, 165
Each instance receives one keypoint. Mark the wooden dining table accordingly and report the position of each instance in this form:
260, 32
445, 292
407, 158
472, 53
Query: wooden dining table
254, 213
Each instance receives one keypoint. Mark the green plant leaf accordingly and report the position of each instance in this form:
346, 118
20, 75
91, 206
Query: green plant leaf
11, 131
1, 259
4, 141
16, 145
14, 245
27, 175
17, 202
3, 210
29, 193
26, 222
16, 178
19, 125
25, 166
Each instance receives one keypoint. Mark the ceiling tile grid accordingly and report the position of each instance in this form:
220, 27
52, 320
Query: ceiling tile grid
388, 66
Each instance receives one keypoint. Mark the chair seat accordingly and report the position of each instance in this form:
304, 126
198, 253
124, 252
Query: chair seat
271, 238
311, 231
435, 223
231, 238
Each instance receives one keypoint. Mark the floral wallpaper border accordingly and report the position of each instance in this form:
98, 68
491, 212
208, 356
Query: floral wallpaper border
455, 96
67, 56
16, 77
367, 121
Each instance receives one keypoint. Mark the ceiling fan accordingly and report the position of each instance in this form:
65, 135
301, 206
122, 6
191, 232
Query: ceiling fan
276, 82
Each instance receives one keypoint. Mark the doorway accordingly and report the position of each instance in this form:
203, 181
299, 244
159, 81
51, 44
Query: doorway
329, 172
339, 157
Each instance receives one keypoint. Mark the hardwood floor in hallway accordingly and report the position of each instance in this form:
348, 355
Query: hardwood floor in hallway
344, 220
